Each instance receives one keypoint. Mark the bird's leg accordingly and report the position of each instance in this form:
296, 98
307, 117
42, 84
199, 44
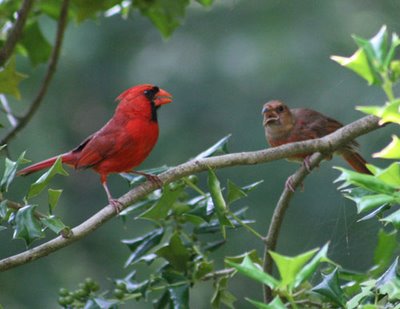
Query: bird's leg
150, 177
289, 184
113, 202
307, 163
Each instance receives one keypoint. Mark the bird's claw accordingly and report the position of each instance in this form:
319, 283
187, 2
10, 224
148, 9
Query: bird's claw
155, 180
117, 205
152, 178
307, 164
289, 184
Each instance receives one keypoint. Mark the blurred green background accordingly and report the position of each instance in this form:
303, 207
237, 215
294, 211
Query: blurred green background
221, 66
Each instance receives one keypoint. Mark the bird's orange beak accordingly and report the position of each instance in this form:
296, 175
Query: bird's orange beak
162, 97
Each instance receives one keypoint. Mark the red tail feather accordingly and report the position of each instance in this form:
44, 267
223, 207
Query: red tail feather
68, 158
356, 161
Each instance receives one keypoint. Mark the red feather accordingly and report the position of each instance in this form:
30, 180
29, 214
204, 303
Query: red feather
123, 143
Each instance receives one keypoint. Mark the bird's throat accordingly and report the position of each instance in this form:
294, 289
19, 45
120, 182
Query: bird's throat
153, 111
277, 130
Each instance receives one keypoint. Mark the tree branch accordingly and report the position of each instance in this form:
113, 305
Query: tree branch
23, 121
326, 144
7, 110
16, 32
279, 213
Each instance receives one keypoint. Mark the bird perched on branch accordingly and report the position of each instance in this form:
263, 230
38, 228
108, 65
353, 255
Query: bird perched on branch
123, 143
283, 125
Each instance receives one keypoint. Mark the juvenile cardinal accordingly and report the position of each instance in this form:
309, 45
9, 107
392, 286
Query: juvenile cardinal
283, 125
123, 143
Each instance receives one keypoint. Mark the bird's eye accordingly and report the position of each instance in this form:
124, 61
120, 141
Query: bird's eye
280, 109
150, 94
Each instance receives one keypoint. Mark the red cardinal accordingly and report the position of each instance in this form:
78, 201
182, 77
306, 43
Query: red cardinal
123, 143
283, 125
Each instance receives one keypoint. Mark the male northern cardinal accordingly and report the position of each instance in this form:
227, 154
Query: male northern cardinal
283, 125
123, 143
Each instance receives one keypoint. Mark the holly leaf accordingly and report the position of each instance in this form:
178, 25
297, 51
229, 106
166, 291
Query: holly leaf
388, 112
391, 151
10, 79
141, 245
38, 48
178, 289
330, 288
234, 192
254, 271
90, 9
367, 182
10, 171
54, 196
54, 223
385, 250
205, 2
175, 253
166, 15
289, 267
219, 147
389, 175
309, 269
219, 202
222, 295
393, 218
161, 208
358, 63
39, 185
27, 226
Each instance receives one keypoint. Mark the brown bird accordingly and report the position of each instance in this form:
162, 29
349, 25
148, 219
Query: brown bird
283, 125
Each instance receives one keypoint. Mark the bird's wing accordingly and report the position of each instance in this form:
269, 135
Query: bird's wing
99, 146
311, 124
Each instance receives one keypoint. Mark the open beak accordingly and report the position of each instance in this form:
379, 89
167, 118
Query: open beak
162, 97
270, 117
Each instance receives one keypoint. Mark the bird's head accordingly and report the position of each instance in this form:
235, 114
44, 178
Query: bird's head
143, 99
276, 114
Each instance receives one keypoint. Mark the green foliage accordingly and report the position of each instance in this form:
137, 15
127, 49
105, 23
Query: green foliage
221, 294
165, 15
10, 171
220, 147
173, 248
330, 288
29, 224
35, 44
391, 151
10, 79
376, 194
180, 214
374, 59
39, 185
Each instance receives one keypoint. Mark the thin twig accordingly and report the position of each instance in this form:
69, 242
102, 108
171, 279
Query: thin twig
7, 110
325, 144
23, 121
279, 213
246, 226
16, 32
218, 274
17, 206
